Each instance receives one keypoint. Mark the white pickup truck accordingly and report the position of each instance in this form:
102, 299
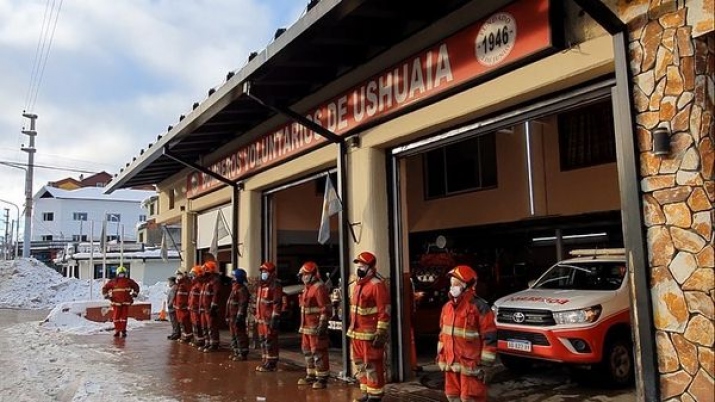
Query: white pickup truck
576, 313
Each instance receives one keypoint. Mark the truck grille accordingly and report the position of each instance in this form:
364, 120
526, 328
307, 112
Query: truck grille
525, 317
535, 339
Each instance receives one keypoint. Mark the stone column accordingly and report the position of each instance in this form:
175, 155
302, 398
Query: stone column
674, 72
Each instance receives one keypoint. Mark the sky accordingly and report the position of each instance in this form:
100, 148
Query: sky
114, 76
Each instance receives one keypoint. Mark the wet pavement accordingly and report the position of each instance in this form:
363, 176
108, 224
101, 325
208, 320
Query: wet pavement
179, 371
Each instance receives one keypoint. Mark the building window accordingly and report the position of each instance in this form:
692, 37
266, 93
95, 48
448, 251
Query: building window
141, 237
114, 217
78, 238
172, 196
46, 237
79, 216
468, 165
151, 209
586, 136
142, 218
112, 238
48, 216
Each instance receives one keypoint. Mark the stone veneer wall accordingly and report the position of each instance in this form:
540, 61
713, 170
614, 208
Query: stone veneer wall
673, 67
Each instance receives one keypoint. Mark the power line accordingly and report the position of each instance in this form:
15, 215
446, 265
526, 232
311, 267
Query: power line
41, 56
62, 168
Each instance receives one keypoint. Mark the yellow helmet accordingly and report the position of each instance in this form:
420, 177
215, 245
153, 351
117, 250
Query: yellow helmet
121, 270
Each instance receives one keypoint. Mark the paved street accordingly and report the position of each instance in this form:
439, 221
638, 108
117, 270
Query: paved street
169, 370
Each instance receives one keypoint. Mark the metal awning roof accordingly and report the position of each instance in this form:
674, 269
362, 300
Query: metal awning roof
330, 40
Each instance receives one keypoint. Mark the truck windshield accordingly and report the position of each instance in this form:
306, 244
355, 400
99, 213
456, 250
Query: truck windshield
590, 275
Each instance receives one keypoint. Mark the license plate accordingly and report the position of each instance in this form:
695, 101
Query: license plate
522, 346
335, 325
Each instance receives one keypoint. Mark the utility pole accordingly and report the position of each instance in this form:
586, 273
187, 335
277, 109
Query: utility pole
7, 230
28, 182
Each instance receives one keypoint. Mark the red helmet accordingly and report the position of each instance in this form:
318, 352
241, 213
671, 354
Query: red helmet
268, 267
210, 267
196, 270
366, 258
309, 267
464, 273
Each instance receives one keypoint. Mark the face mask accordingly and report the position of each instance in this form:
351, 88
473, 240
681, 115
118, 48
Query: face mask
306, 278
455, 291
264, 276
362, 272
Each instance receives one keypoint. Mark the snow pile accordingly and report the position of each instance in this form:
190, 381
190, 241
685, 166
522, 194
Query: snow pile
55, 367
69, 317
30, 284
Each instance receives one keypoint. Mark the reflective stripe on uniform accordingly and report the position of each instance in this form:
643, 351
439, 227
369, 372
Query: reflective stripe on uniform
460, 332
363, 336
488, 357
310, 310
363, 310
458, 368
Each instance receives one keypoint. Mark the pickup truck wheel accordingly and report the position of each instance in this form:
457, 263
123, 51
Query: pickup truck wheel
617, 365
518, 365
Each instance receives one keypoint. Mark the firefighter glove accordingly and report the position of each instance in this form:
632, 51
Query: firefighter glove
275, 323
214, 310
482, 374
380, 338
322, 327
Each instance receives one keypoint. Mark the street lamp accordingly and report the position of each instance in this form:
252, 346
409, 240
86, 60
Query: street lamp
17, 225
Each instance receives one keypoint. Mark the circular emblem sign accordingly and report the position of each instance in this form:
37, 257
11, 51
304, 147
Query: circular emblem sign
495, 39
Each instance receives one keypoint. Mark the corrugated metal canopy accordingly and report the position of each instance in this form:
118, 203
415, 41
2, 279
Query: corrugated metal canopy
331, 39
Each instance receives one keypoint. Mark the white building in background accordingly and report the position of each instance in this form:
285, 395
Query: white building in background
144, 264
74, 215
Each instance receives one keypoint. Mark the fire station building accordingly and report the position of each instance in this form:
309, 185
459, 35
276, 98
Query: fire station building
501, 134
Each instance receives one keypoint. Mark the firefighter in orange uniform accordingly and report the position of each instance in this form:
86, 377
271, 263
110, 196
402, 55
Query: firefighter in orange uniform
315, 311
269, 301
181, 305
236, 313
467, 340
121, 292
197, 282
209, 300
369, 324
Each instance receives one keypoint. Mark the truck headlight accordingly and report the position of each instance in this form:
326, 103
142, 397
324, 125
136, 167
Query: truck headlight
580, 316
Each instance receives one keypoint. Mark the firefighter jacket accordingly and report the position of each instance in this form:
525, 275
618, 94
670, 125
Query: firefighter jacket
171, 297
210, 292
314, 307
181, 301
237, 303
195, 294
269, 302
468, 336
369, 308
120, 290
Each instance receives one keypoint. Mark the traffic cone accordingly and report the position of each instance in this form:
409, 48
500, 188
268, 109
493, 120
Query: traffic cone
162, 313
